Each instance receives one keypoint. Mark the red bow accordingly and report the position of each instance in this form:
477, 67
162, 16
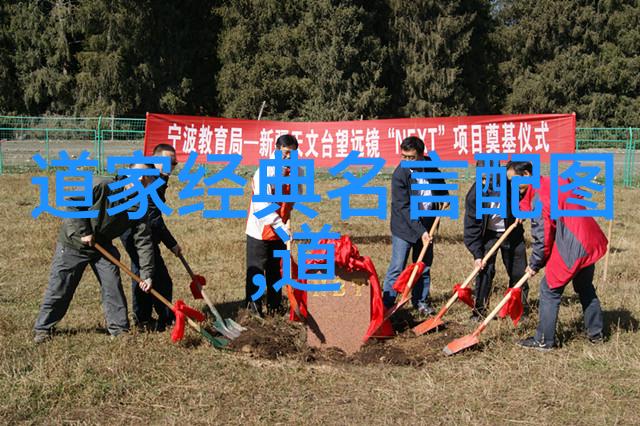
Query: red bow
464, 294
403, 280
513, 307
197, 282
182, 310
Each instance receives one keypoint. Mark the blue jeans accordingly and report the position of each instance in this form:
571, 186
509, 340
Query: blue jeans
399, 255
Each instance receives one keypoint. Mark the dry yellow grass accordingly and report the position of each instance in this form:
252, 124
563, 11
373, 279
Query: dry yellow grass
82, 376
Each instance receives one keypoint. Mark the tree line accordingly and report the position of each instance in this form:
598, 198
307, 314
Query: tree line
322, 59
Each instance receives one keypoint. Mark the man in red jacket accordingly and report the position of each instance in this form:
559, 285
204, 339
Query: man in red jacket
568, 247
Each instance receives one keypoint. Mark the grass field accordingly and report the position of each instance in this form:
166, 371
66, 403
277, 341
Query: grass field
82, 376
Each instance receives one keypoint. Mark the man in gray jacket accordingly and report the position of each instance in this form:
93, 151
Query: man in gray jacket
74, 251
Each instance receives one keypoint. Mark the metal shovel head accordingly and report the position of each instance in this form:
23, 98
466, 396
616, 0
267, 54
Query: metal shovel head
460, 344
427, 325
222, 329
231, 324
219, 342
216, 342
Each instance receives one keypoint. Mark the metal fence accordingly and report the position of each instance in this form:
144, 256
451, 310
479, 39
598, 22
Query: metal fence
22, 137
621, 141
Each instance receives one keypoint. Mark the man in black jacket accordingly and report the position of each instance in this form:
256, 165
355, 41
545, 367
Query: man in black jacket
409, 235
143, 303
481, 234
74, 251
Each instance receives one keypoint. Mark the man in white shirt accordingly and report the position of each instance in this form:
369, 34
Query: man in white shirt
262, 238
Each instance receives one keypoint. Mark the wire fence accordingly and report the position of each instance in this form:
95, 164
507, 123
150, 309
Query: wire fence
23, 137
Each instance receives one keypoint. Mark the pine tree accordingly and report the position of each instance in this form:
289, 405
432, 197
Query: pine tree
42, 35
441, 57
344, 60
9, 97
258, 54
566, 56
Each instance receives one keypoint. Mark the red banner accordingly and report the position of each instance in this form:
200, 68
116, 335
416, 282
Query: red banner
453, 138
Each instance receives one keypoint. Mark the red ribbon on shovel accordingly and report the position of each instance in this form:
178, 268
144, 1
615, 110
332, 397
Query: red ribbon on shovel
513, 307
195, 290
464, 294
182, 310
403, 280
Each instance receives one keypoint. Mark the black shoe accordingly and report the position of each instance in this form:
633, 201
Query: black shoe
143, 325
532, 343
388, 300
475, 317
597, 339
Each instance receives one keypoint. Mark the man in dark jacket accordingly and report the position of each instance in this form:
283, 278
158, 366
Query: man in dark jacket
143, 303
74, 252
409, 235
568, 247
482, 234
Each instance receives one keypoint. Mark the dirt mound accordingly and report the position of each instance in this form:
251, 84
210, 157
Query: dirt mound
277, 337
270, 338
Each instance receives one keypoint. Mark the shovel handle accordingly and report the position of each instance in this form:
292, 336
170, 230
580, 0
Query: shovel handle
119, 264
186, 266
423, 252
155, 294
212, 308
486, 257
499, 306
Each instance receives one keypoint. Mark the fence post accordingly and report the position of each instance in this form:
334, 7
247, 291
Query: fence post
46, 147
632, 163
627, 163
98, 145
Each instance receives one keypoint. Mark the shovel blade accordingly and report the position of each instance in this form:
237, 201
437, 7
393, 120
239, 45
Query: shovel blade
231, 324
395, 308
460, 344
222, 329
216, 342
427, 325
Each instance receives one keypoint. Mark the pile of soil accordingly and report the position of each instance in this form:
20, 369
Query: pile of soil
277, 337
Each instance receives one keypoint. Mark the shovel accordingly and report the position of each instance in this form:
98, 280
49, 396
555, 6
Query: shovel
435, 322
217, 342
470, 340
406, 295
227, 327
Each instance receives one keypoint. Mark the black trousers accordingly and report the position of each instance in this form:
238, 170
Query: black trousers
260, 260
144, 303
514, 257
